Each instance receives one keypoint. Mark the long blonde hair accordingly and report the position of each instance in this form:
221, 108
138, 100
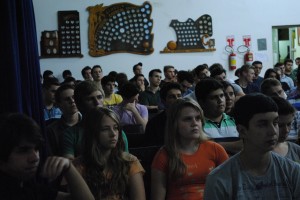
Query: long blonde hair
177, 168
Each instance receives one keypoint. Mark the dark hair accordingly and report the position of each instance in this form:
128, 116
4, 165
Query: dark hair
166, 88
245, 68
278, 64
205, 87
113, 74
137, 76
66, 73
284, 107
267, 84
199, 69
96, 66
135, 66
185, 75
167, 67
251, 104
60, 90
48, 82
107, 79
237, 72
269, 71
15, 128
288, 60
121, 79
47, 73
85, 69
68, 80
153, 71
226, 84
128, 90
216, 72
257, 62
215, 66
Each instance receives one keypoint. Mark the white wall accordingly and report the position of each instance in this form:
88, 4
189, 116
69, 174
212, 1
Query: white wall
234, 17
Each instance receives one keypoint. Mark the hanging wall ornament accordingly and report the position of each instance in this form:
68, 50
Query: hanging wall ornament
121, 27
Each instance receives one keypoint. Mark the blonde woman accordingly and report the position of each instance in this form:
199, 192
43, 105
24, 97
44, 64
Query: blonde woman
179, 168
110, 173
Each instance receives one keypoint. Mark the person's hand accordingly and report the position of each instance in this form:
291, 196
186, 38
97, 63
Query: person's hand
54, 166
142, 88
130, 106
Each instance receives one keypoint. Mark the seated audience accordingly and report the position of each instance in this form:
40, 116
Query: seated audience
139, 82
169, 72
49, 87
218, 125
87, 95
257, 80
111, 99
180, 167
271, 73
109, 172
284, 78
64, 97
129, 110
256, 172
246, 80
97, 74
155, 129
86, 73
286, 114
150, 97
186, 81
66, 73
21, 169
138, 69
229, 96
272, 87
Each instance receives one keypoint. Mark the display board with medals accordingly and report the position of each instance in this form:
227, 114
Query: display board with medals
64, 42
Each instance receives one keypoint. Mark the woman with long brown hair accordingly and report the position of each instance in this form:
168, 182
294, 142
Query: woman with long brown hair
109, 172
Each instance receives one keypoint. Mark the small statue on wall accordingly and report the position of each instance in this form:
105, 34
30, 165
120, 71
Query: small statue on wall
192, 36
121, 27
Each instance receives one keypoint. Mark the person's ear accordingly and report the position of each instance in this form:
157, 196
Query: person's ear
242, 131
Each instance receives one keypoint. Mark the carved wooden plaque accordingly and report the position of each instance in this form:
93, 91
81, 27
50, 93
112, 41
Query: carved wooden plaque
121, 27
192, 36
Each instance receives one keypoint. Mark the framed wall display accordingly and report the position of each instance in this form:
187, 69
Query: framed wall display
192, 36
121, 27
69, 33
64, 42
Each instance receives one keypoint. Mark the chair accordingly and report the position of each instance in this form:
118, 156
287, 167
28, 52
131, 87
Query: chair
146, 155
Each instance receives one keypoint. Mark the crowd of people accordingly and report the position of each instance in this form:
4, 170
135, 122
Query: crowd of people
216, 138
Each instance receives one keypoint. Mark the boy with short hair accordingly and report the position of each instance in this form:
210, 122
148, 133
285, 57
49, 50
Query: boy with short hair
256, 172
20, 142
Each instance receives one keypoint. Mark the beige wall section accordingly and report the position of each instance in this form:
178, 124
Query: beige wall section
233, 17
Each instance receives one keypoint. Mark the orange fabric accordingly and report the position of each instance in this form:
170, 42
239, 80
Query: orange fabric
191, 186
135, 168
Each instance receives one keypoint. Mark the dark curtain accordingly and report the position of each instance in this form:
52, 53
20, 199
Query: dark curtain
20, 69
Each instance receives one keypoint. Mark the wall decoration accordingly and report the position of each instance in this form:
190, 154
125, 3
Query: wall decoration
64, 42
192, 36
121, 27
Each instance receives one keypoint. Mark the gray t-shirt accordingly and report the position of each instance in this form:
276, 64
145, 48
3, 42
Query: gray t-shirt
231, 181
293, 152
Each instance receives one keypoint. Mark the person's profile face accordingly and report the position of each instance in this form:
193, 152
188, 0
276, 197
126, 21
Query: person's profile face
67, 104
138, 70
262, 132
94, 100
257, 69
285, 125
109, 133
214, 103
140, 81
22, 162
172, 96
88, 74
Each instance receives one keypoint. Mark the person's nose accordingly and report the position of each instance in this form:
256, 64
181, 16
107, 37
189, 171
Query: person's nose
34, 156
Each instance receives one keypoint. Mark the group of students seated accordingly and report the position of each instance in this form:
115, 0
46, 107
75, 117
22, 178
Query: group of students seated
215, 138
